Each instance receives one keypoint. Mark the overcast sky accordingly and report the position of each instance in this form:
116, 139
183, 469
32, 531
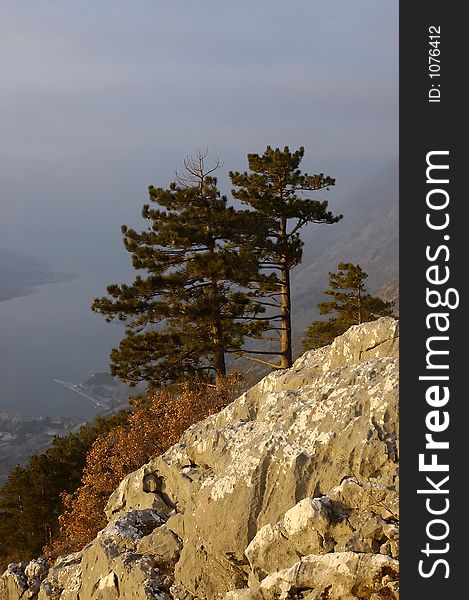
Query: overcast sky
101, 98
86, 76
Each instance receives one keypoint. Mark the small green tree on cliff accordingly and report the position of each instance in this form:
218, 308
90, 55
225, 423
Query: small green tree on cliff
277, 191
351, 305
191, 305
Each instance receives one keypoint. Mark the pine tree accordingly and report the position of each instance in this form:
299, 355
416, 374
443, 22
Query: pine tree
351, 305
191, 305
12, 499
276, 190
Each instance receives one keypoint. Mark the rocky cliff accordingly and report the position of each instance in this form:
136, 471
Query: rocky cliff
289, 492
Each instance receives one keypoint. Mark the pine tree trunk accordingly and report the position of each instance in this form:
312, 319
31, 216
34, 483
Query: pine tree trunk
286, 359
359, 306
217, 339
220, 368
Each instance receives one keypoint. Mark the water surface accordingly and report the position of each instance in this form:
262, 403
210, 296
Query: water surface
49, 334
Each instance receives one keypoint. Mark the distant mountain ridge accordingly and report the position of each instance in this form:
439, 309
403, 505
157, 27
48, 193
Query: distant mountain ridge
20, 274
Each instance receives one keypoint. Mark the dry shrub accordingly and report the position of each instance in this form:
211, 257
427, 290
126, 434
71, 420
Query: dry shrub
154, 425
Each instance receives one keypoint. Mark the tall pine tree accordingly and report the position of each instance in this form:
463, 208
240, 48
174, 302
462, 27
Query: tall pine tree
190, 306
277, 191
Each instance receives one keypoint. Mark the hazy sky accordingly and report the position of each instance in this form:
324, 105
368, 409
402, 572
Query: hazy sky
83, 77
111, 95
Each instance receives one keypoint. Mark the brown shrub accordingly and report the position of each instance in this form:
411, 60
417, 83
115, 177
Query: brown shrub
155, 424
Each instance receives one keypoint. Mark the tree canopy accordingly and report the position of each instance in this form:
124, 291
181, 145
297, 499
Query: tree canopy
192, 304
208, 272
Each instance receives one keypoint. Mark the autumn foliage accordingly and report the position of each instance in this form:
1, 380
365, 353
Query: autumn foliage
156, 423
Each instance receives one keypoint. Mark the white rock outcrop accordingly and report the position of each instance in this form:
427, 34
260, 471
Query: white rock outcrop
289, 492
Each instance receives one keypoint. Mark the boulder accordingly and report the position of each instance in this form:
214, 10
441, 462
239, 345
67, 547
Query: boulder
14, 583
23, 580
297, 434
116, 564
133, 557
63, 580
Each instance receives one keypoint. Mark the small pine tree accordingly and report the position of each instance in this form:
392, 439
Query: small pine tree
351, 305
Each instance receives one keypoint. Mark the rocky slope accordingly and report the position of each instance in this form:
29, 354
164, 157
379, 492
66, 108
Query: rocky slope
289, 492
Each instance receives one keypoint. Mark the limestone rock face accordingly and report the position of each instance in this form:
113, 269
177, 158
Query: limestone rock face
290, 491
